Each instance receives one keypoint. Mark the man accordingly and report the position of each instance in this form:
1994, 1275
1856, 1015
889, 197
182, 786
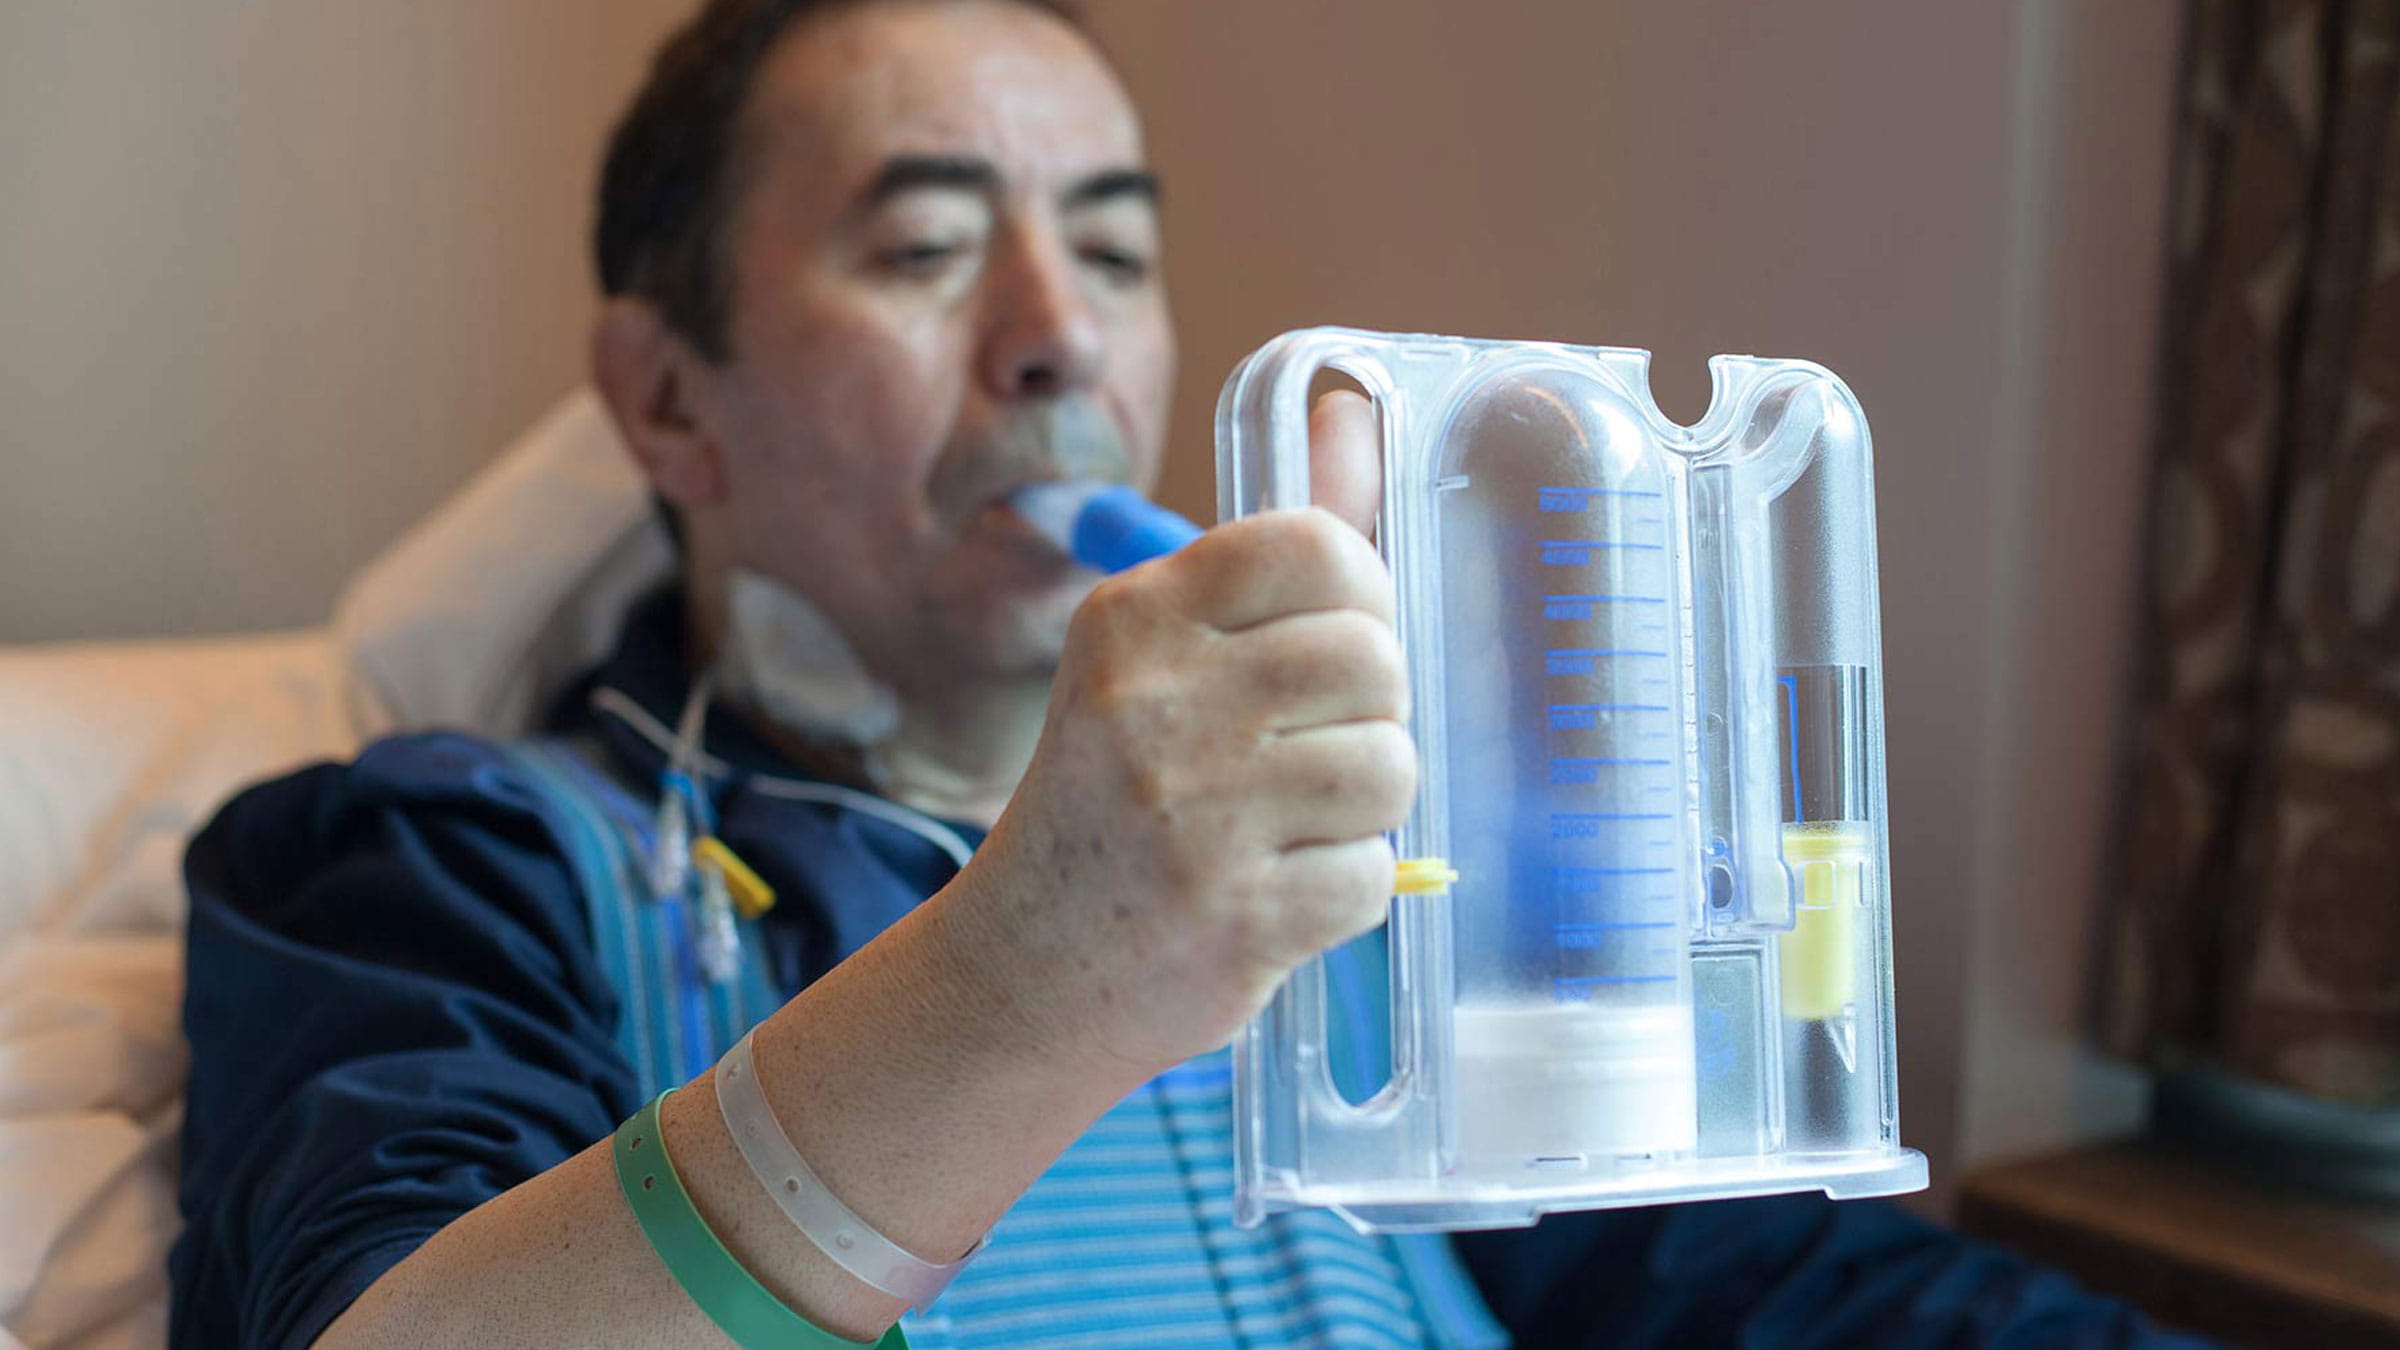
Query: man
872, 265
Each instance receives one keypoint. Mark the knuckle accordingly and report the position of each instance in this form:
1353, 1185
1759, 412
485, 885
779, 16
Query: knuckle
1372, 660
1144, 718
1111, 606
1361, 867
1322, 540
1186, 872
1352, 633
1307, 538
1359, 891
1332, 896
1149, 792
1112, 690
1246, 922
1393, 757
1234, 546
1349, 649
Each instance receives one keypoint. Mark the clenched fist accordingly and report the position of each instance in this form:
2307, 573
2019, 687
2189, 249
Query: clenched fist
1224, 755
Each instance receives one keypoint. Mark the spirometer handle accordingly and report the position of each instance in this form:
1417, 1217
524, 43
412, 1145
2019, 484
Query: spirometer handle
1262, 418
1263, 465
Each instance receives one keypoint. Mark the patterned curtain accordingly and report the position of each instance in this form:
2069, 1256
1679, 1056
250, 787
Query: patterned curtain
2257, 903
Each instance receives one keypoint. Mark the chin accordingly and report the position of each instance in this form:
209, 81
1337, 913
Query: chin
1022, 636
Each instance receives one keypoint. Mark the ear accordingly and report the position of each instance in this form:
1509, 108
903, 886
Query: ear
655, 385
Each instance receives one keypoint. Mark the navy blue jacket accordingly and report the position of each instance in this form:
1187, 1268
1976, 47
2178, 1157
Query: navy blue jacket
395, 1013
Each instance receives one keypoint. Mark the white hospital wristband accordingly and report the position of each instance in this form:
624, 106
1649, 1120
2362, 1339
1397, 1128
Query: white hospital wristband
851, 1241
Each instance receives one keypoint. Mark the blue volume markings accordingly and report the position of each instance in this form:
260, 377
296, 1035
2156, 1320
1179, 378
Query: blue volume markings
1582, 606
1571, 772
1644, 763
1576, 499
1575, 552
1586, 716
1560, 876
1589, 935
1586, 825
1611, 815
1575, 882
1565, 983
1608, 927
1585, 660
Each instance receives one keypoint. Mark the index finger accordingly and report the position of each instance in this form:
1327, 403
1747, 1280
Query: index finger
1345, 458
1277, 564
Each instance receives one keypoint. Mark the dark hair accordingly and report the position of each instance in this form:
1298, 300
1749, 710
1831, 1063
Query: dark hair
671, 176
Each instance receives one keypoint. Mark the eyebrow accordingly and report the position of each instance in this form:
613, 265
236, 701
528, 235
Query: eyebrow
908, 173
963, 173
1114, 184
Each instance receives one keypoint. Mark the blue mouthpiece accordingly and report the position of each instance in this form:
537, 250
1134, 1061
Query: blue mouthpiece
1107, 528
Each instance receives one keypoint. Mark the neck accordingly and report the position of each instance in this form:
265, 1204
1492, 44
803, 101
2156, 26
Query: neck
960, 756
950, 748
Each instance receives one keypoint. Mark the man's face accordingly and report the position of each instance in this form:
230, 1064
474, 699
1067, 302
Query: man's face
945, 269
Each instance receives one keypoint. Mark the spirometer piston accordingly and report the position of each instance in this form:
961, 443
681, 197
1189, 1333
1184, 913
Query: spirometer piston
1643, 664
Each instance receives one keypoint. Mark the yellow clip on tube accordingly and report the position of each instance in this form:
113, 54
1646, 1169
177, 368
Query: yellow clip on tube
751, 895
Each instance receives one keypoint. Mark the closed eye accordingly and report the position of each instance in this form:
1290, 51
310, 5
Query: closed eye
924, 258
1123, 266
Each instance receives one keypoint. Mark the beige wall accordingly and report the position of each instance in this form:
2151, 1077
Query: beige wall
276, 274
1957, 206
2095, 99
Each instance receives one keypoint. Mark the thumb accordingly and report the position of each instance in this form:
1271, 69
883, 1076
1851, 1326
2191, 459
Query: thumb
1345, 458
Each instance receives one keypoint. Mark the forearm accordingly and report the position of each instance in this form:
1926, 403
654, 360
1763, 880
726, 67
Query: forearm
911, 1078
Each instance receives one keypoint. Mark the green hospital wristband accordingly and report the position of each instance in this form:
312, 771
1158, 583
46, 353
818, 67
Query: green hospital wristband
733, 1298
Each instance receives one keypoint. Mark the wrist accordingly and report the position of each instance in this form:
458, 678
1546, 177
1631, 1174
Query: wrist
1037, 995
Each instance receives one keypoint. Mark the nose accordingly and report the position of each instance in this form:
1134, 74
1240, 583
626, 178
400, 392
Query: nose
1041, 335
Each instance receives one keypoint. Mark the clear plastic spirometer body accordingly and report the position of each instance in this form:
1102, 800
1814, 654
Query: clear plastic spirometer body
1648, 710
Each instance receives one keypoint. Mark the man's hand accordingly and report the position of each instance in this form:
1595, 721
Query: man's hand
1345, 458
1225, 753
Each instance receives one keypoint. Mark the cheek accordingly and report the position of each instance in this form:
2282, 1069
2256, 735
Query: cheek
855, 408
1147, 387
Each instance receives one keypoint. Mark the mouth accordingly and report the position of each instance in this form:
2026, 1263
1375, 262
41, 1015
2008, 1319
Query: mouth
999, 516
1024, 445
999, 524
1007, 509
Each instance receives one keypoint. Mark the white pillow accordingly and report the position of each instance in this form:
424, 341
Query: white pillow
110, 754
485, 609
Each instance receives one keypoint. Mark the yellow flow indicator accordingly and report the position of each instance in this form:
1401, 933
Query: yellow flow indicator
1820, 953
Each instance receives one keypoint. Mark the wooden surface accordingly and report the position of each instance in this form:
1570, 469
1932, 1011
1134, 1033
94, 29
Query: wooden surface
2234, 1258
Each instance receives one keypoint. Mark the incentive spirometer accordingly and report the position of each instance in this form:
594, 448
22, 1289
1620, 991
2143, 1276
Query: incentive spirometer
1640, 949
